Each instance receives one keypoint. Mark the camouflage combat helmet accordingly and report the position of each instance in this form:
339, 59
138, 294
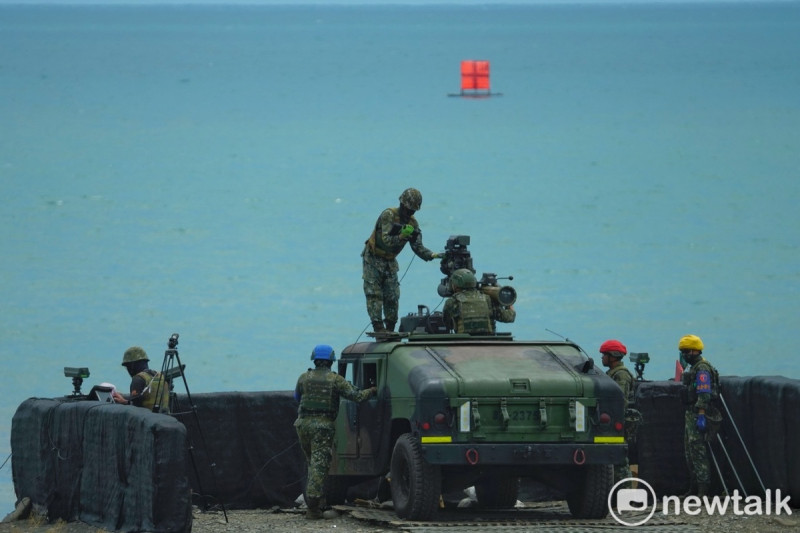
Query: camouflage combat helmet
133, 354
411, 199
463, 278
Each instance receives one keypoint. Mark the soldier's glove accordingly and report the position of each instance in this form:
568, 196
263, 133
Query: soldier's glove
701, 423
406, 231
435, 255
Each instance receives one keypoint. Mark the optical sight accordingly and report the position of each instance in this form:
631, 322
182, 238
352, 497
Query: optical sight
640, 359
76, 372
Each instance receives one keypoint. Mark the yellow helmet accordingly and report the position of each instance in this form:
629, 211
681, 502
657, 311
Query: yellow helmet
691, 342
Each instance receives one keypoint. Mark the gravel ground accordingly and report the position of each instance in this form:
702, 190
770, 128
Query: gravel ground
380, 521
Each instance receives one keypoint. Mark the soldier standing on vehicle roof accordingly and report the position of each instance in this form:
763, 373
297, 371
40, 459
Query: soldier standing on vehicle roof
395, 227
471, 311
613, 351
145, 383
702, 419
318, 392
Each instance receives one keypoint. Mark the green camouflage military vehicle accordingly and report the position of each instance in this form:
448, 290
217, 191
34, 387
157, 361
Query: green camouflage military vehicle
455, 411
458, 410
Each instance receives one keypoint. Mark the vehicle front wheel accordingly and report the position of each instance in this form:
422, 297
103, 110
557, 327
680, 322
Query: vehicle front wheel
415, 484
589, 497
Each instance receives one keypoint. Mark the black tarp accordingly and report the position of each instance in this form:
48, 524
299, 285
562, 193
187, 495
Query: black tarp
112, 466
124, 468
766, 412
250, 437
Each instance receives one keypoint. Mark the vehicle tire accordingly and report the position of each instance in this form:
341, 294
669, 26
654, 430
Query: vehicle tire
336, 489
589, 498
416, 485
497, 492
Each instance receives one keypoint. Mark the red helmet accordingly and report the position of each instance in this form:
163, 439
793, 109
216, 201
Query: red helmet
613, 345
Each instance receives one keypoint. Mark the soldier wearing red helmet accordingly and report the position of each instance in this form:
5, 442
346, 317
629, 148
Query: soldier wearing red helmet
613, 351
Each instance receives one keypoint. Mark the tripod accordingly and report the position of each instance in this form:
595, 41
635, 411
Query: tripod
170, 369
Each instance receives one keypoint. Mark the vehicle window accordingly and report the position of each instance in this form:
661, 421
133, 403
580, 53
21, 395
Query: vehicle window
369, 375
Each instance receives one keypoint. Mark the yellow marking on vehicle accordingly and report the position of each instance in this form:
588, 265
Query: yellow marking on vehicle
436, 440
609, 440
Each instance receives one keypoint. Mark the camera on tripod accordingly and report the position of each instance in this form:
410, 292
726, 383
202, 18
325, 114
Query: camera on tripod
457, 256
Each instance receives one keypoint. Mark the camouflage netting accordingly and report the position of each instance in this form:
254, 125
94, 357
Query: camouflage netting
126, 469
250, 437
113, 466
766, 412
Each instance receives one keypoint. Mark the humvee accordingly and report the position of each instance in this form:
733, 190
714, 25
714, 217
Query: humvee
456, 410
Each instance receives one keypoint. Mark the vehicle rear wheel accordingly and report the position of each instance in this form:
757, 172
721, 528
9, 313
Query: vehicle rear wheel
497, 492
416, 485
589, 498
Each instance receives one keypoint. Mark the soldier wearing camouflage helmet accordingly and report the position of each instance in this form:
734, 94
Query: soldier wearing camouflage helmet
395, 227
318, 392
702, 418
469, 310
148, 388
612, 352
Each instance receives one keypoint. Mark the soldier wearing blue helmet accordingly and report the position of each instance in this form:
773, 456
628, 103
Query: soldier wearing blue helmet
318, 391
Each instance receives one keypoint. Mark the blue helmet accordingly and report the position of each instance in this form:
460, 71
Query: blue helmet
323, 352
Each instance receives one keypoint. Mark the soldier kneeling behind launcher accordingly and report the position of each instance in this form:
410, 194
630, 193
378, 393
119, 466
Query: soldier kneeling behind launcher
469, 310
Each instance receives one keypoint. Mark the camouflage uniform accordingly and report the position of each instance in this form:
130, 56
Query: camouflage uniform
381, 286
318, 391
701, 384
471, 311
623, 377
153, 388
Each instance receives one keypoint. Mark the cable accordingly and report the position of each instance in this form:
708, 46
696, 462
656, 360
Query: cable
4, 462
413, 256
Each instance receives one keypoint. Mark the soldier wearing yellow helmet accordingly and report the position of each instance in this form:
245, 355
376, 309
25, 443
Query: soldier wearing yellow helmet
701, 386
395, 227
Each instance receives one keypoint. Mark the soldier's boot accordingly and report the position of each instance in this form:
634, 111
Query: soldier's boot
389, 325
313, 512
702, 489
377, 326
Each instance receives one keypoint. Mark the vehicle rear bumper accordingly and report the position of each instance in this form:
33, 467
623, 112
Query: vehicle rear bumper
524, 454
